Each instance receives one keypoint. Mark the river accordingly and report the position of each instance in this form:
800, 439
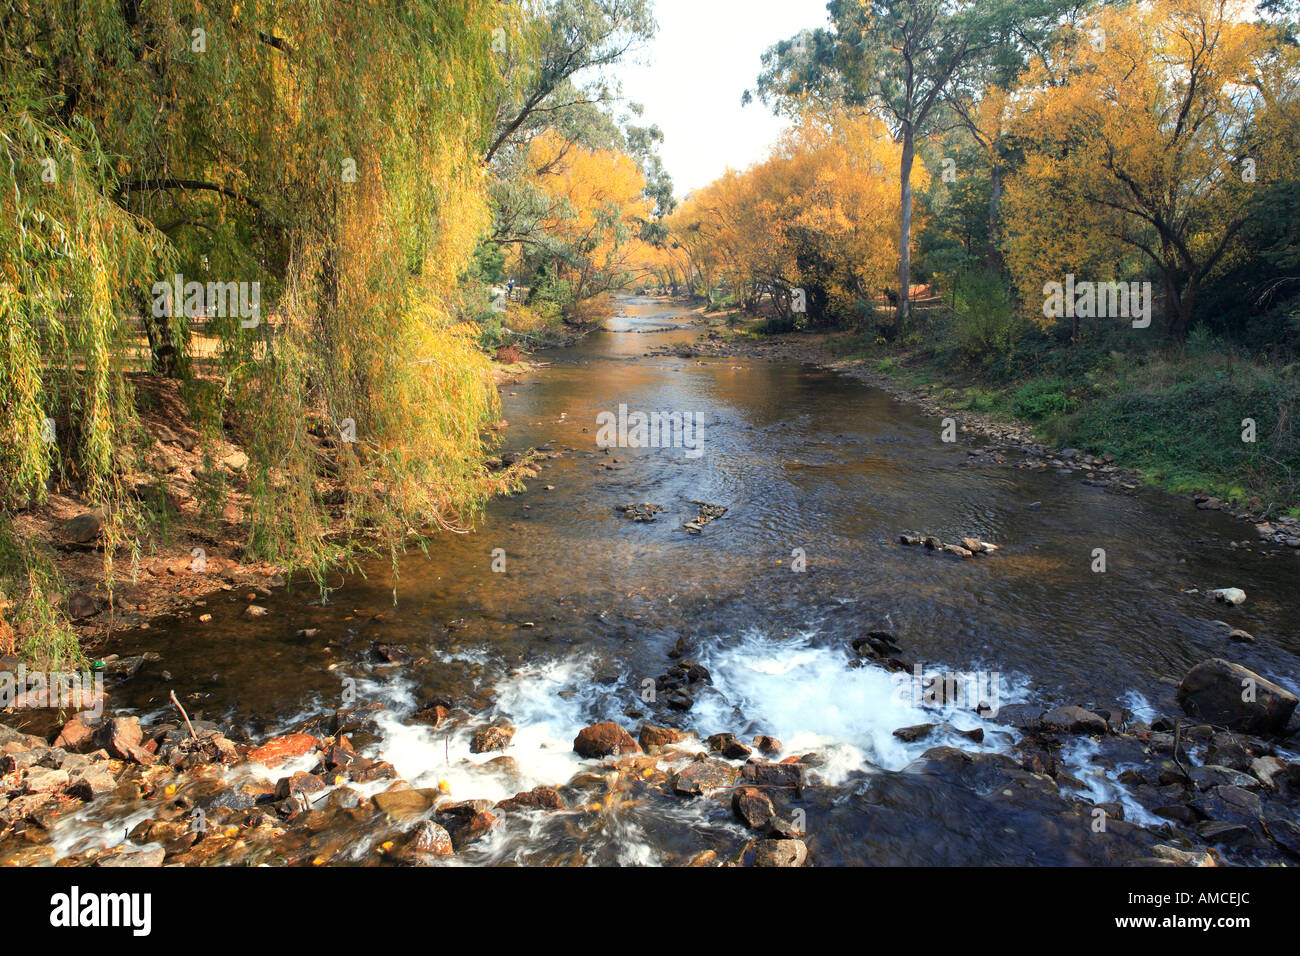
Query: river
819, 474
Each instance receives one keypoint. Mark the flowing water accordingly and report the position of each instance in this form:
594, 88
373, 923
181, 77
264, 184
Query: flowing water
809, 464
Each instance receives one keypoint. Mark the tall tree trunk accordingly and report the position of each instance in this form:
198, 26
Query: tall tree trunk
905, 223
1182, 307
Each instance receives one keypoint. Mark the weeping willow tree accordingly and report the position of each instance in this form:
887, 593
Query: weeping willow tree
329, 153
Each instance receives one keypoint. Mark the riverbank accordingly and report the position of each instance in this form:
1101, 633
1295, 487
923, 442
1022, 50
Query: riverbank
197, 497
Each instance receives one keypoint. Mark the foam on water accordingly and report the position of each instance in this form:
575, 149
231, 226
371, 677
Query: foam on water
805, 694
548, 703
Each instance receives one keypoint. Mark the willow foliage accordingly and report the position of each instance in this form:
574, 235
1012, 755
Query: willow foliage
330, 153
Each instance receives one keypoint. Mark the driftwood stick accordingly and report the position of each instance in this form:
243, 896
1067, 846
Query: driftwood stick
193, 735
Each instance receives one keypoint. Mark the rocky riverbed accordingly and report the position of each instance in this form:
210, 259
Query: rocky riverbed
1215, 783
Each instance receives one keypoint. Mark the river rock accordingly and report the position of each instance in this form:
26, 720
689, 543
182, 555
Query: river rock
653, 736
393, 653
910, 735
538, 798
365, 771
728, 746
280, 749
1176, 857
770, 746
1075, 720
428, 842
1209, 777
43, 780
492, 738
753, 806
1233, 596
679, 700
784, 775
432, 713
786, 853
1228, 804
1267, 770
299, 783
405, 803
149, 856
606, 739
91, 782
76, 736
703, 776
468, 821
122, 738
1213, 691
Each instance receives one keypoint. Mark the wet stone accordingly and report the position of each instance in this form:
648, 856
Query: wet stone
703, 776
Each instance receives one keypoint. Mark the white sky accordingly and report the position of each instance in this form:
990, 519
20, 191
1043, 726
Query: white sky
691, 77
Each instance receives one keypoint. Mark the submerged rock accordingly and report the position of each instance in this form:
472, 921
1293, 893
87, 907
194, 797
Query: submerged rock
279, 749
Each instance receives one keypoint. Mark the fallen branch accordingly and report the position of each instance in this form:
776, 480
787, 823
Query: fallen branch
193, 735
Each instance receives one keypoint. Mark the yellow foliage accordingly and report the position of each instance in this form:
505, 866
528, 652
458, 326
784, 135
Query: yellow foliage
821, 214
1152, 127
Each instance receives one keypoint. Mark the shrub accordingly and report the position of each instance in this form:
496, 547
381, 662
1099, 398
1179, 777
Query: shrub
1043, 399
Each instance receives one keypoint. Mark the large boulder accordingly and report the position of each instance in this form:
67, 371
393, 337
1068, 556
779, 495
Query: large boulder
1232, 696
605, 739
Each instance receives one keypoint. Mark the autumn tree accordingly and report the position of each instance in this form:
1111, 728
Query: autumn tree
595, 205
814, 223
1172, 120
